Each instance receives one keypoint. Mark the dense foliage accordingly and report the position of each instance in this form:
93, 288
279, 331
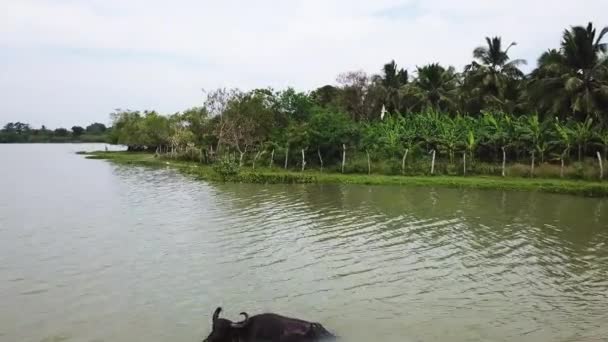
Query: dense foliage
397, 122
18, 132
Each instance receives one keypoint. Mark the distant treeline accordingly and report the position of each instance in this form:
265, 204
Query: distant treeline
19, 132
490, 113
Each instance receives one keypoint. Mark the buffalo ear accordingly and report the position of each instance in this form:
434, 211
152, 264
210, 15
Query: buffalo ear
216, 314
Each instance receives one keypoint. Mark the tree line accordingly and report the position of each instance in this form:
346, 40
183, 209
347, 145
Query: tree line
19, 132
483, 119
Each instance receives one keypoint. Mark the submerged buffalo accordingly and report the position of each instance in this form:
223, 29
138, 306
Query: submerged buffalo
265, 327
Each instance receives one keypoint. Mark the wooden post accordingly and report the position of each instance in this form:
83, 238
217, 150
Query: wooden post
504, 160
532, 166
343, 156
403, 161
320, 158
433, 162
271, 159
257, 156
599, 159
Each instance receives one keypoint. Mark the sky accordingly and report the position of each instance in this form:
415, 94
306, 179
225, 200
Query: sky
72, 62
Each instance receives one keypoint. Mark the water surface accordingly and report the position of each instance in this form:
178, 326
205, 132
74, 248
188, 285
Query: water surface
91, 251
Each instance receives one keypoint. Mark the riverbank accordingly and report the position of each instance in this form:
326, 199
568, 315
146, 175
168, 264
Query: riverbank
269, 176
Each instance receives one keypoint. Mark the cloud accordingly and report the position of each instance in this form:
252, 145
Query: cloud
70, 62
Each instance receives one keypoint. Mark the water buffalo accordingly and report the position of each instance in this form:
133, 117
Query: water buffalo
265, 327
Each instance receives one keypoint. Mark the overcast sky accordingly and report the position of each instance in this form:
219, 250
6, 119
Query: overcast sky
66, 62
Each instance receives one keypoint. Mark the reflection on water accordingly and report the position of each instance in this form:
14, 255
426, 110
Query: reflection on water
97, 252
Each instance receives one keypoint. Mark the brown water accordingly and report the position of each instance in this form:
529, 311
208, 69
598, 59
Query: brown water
91, 251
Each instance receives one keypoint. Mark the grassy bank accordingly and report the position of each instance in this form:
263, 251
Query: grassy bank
267, 176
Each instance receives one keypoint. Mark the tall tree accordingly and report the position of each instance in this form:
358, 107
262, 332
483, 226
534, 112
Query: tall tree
574, 79
490, 79
389, 82
433, 88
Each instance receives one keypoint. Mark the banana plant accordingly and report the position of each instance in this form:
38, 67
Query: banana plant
582, 134
499, 131
448, 136
564, 134
534, 132
471, 144
602, 136
408, 135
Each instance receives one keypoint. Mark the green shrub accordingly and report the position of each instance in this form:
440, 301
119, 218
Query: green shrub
226, 168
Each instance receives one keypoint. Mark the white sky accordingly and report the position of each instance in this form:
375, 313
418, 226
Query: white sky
67, 62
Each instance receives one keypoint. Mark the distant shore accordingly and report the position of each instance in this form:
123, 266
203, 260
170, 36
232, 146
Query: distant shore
277, 175
95, 141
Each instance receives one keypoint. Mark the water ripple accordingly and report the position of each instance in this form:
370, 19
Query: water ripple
142, 248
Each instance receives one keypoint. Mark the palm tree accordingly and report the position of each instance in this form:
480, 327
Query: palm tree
391, 79
492, 79
574, 79
433, 88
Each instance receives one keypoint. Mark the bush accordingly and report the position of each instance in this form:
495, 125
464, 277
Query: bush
226, 168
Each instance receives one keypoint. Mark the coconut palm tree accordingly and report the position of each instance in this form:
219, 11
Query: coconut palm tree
574, 79
492, 79
391, 79
433, 88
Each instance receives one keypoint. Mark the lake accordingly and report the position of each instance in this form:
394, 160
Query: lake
91, 251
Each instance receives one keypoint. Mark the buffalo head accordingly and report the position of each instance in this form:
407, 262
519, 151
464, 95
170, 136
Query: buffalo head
224, 330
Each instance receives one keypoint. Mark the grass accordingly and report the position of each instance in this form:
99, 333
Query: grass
278, 175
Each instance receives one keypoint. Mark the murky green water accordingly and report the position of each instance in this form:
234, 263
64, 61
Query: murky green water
91, 251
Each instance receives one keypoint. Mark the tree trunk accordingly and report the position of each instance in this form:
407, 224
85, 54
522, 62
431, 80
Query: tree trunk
257, 156
369, 165
271, 159
599, 159
241, 155
320, 158
464, 163
580, 150
561, 170
286, 156
542, 157
201, 156
433, 162
504, 160
343, 156
403, 161
532, 166
303, 161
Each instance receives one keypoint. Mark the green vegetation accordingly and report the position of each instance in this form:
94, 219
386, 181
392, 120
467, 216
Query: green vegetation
480, 127
490, 119
277, 175
18, 132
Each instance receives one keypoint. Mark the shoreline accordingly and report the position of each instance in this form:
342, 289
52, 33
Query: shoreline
276, 176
